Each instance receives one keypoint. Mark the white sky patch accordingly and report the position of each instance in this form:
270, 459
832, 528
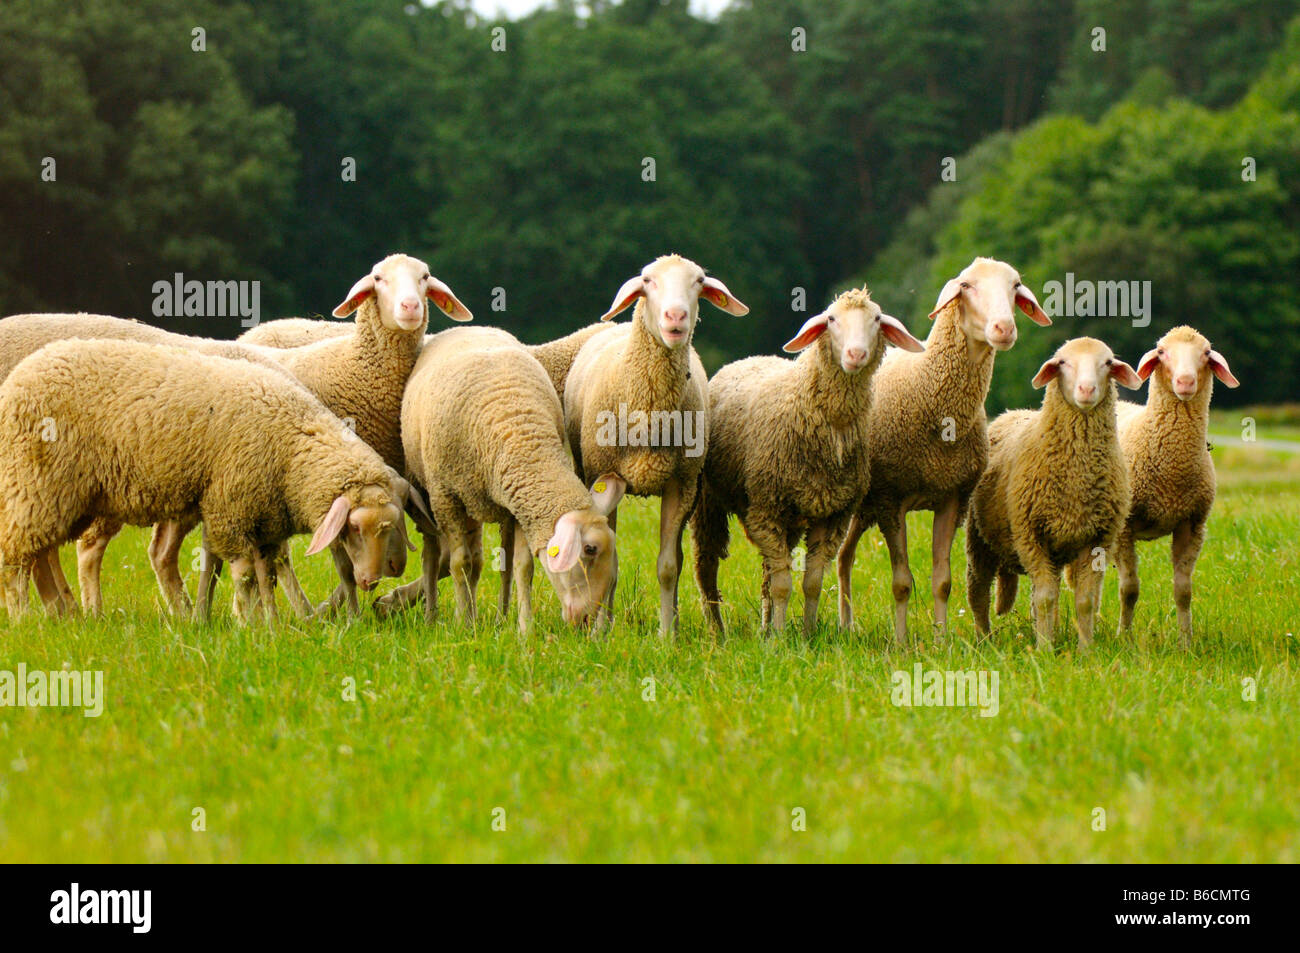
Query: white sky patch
514, 9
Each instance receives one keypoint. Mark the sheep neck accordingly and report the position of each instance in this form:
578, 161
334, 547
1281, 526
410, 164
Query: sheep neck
1063, 425
388, 345
662, 371
962, 366
842, 398
1189, 418
335, 466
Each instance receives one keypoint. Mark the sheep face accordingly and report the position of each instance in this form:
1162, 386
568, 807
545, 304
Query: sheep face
1182, 362
371, 532
672, 287
400, 285
855, 330
1083, 369
989, 291
581, 557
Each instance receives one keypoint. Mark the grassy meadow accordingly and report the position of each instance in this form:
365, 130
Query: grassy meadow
737, 742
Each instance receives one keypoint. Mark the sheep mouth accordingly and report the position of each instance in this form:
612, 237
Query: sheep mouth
1001, 344
673, 335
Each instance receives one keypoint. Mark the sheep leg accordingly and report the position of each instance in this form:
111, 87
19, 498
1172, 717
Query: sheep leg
844, 566
298, 600
674, 507
430, 557
1185, 548
605, 616
46, 587
894, 528
90, 559
507, 565
981, 565
264, 570
1047, 589
15, 591
209, 570
821, 544
345, 593
475, 533
522, 558
67, 603
942, 532
461, 572
244, 578
164, 555
1084, 580
710, 533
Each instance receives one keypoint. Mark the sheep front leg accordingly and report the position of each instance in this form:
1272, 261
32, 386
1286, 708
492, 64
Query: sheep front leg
770, 541
293, 591
164, 555
244, 579
15, 591
430, 557
46, 586
1185, 548
1126, 564
942, 532
346, 592
66, 604
522, 559
894, 528
1046, 590
981, 566
1084, 578
844, 567
264, 569
90, 560
821, 542
209, 570
605, 616
507, 565
673, 509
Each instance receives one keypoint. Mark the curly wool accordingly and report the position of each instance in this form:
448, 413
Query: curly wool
252, 454
557, 356
294, 332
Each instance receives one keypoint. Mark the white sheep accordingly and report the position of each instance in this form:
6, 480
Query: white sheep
930, 444
294, 332
636, 404
253, 455
1171, 474
1055, 493
484, 436
789, 451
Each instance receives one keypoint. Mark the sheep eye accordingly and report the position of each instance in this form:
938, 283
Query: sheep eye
426, 277
830, 319
1110, 363
377, 278
965, 284
589, 549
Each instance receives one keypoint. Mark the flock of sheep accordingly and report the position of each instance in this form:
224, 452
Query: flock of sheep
341, 430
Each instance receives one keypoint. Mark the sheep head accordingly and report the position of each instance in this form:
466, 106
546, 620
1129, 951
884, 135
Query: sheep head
671, 287
1083, 369
370, 529
399, 285
1185, 361
987, 292
581, 557
855, 329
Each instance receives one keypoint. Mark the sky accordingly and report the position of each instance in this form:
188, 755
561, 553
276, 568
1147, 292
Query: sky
516, 8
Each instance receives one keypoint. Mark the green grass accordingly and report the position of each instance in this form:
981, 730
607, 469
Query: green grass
450, 724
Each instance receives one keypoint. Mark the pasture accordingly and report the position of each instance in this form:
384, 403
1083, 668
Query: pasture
565, 742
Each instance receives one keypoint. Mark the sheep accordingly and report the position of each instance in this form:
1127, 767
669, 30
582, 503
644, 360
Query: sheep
1055, 493
642, 373
253, 455
360, 377
557, 356
1170, 471
483, 434
789, 451
293, 332
931, 445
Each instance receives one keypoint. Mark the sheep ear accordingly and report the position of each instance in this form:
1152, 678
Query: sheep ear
716, 294
812, 329
447, 303
1221, 371
330, 526
563, 549
606, 493
1124, 374
1027, 303
1047, 372
632, 289
946, 297
362, 290
1147, 365
898, 335
419, 511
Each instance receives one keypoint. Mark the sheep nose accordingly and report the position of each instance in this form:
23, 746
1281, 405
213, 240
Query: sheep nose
1086, 390
411, 304
675, 315
856, 354
1004, 329
1185, 382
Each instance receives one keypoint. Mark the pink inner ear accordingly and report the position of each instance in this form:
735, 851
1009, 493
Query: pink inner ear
1047, 372
1148, 363
563, 549
330, 526
1221, 371
1029, 304
632, 289
812, 329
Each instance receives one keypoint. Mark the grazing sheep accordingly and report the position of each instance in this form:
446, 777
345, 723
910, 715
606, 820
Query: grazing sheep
1170, 471
644, 376
253, 455
930, 445
788, 451
1055, 494
484, 435
294, 332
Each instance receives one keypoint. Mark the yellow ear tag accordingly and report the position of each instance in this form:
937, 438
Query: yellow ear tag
553, 551
598, 487
446, 306
718, 298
